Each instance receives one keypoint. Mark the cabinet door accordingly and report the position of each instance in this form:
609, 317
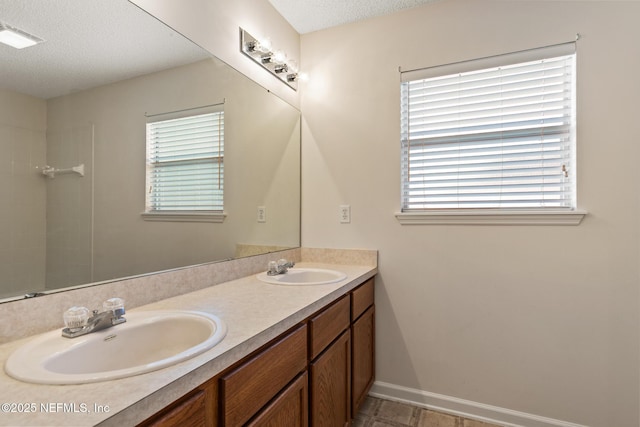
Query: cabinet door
289, 409
330, 385
363, 361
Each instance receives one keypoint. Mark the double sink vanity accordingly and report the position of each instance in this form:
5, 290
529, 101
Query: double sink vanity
285, 349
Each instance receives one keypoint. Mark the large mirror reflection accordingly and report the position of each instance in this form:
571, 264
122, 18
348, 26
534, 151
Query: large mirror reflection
73, 116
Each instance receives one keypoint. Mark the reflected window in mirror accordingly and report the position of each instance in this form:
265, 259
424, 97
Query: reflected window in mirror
65, 108
185, 165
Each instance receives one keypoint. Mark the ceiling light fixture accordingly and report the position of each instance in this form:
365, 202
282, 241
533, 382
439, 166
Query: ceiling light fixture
17, 38
274, 61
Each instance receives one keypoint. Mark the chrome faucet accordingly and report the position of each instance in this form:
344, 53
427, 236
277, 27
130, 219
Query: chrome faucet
280, 267
78, 322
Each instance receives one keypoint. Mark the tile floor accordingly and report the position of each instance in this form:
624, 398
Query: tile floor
382, 413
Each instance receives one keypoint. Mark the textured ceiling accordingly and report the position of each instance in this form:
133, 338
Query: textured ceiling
88, 43
96, 42
312, 15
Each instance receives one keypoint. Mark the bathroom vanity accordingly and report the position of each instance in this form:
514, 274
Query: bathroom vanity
293, 354
318, 372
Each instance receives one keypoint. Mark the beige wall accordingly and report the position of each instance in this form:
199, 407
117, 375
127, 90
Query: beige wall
537, 319
262, 153
23, 121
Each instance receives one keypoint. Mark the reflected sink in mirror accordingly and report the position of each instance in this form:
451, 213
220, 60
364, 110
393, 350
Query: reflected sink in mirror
147, 341
304, 276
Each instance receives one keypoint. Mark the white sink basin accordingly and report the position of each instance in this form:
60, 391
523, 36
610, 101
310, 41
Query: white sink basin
147, 341
304, 276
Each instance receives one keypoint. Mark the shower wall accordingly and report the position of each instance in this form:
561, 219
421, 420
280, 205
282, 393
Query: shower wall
69, 207
23, 121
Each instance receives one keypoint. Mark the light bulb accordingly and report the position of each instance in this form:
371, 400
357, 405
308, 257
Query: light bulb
265, 45
279, 57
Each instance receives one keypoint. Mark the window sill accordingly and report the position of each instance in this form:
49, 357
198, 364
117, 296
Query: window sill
184, 216
490, 217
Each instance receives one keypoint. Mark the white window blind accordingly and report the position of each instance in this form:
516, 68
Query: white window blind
185, 167
501, 137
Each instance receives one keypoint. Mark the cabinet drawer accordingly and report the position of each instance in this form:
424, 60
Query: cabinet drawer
198, 408
326, 326
188, 412
249, 387
361, 299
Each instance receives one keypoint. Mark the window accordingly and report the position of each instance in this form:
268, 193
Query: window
185, 168
491, 136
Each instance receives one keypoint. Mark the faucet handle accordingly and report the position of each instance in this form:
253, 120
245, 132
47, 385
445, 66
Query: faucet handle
76, 318
283, 263
116, 305
273, 267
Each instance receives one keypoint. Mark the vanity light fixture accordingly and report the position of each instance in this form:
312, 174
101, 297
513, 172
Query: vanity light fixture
274, 61
17, 38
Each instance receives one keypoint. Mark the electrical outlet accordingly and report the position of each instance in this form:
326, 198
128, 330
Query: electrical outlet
262, 214
345, 214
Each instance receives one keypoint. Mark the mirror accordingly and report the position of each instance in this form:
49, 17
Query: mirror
73, 114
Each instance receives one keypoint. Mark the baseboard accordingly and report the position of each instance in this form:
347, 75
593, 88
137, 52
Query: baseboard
464, 408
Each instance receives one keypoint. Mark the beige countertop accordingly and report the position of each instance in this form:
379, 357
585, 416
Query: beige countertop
255, 313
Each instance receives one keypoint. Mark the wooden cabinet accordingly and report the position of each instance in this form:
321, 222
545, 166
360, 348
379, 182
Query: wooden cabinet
361, 299
362, 358
327, 325
196, 409
330, 379
246, 389
289, 409
330, 367
317, 374
363, 343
